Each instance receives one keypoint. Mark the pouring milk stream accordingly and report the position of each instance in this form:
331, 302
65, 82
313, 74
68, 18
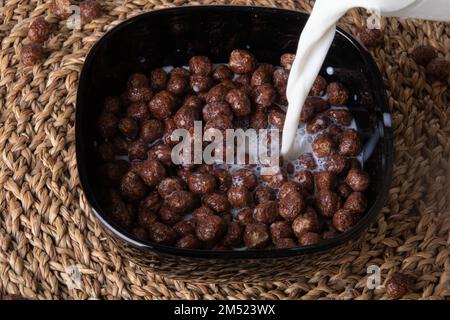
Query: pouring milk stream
316, 39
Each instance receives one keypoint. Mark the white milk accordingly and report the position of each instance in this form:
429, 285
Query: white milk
316, 40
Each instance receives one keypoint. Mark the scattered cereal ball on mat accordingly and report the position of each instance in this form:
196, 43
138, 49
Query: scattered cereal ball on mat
286, 60
90, 9
242, 61
60, 8
371, 37
39, 30
423, 54
31, 54
438, 69
398, 285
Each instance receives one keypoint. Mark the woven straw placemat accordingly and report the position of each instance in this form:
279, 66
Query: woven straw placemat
46, 225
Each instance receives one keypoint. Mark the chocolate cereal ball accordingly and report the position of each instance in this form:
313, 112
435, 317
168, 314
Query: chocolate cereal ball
107, 124
162, 153
313, 106
323, 146
118, 210
31, 54
241, 61
217, 202
327, 202
200, 213
276, 118
287, 187
344, 220
337, 94
264, 95
177, 85
350, 144
214, 109
357, 179
292, 205
336, 164
438, 69
200, 83
162, 105
256, 236
423, 54
162, 234
39, 30
309, 239
222, 72
90, 10
151, 203
307, 161
245, 216
132, 187
319, 86
189, 242
185, 117
304, 223
286, 60
138, 111
210, 228
233, 236
151, 130
142, 93
245, 178
398, 285
371, 37
200, 65
344, 190
184, 227
280, 78
356, 202
258, 120
263, 194
340, 116
201, 183
266, 212
181, 201
239, 197
239, 102
128, 127
325, 180
280, 230
112, 104
152, 172
168, 215
60, 8
306, 180
318, 123
262, 74
158, 79
169, 185
223, 178
285, 243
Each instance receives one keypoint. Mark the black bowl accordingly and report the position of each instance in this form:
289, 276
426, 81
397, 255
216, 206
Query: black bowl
171, 37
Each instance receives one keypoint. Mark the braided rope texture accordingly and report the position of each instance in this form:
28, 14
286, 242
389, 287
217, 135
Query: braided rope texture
46, 225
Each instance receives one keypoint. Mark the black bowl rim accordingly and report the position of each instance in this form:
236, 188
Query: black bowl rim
376, 82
